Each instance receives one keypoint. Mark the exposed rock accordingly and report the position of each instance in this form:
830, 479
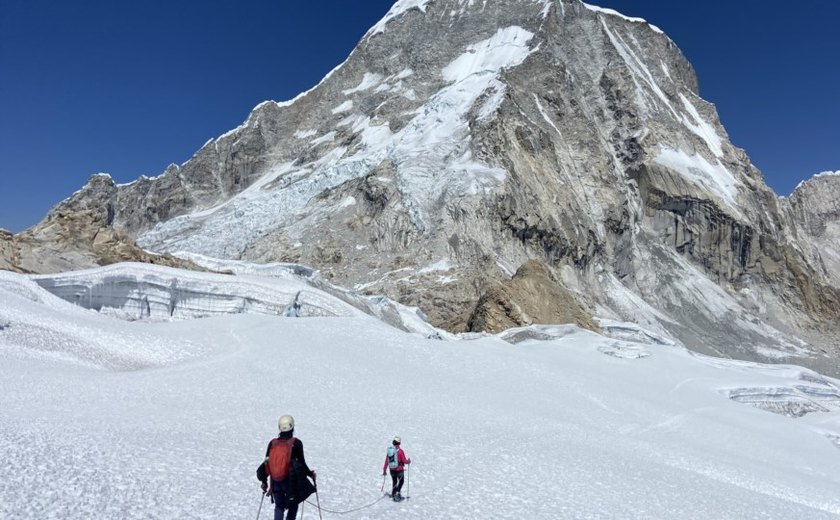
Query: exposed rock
814, 208
75, 240
9, 256
532, 296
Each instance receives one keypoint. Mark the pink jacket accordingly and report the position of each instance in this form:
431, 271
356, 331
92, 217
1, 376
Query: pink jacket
402, 460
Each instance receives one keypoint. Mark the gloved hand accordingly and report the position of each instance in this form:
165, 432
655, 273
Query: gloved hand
383, 473
314, 475
264, 487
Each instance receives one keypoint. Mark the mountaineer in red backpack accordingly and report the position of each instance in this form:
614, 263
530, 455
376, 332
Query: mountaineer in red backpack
395, 460
285, 464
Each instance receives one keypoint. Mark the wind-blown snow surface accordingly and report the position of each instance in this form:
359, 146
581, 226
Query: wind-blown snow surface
555, 422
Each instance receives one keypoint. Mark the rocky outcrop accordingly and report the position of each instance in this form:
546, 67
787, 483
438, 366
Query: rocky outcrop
75, 240
9, 259
532, 296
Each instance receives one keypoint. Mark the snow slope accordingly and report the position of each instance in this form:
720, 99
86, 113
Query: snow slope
543, 422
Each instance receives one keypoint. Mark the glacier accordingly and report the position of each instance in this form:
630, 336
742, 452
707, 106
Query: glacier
169, 418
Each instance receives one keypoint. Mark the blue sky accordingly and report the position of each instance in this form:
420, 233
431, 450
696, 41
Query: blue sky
130, 87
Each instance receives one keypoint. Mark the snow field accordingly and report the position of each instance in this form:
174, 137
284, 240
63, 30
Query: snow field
573, 426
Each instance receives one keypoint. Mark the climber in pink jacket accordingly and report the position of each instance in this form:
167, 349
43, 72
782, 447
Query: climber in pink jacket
395, 460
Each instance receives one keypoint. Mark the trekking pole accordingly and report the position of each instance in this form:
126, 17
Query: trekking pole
261, 503
382, 490
408, 481
318, 500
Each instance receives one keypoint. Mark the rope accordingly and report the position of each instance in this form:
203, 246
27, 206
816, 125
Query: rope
366, 506
349, 510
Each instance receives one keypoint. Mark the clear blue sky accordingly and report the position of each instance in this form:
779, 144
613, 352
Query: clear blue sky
128, 87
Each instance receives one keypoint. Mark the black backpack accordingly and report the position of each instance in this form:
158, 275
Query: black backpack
298, 486
262, 473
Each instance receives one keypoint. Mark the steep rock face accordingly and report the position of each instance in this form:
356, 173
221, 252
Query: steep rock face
814, 208
8, 252
517, 130
813, 214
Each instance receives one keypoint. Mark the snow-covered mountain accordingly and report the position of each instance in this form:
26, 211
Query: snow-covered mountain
149, 419
463, 140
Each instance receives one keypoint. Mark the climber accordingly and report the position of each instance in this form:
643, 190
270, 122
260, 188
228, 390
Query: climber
395, 460
286, 465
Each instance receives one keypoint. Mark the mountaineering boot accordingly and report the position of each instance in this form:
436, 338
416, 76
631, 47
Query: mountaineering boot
397, 497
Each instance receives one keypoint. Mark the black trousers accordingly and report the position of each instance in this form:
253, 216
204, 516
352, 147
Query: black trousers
278, 492
397, 478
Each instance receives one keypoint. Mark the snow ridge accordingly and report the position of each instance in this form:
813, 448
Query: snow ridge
612, 12
397, 10
816, 176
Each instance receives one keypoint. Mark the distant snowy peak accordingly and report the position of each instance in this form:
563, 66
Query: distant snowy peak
460, 7
450, 8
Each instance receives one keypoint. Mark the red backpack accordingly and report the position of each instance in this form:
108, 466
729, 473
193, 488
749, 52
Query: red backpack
279, 458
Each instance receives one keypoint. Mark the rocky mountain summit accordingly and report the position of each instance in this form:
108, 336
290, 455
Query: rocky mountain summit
815, 208
497, 163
